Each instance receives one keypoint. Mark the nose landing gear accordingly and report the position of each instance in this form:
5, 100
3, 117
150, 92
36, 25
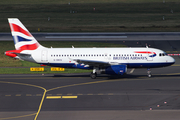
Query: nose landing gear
149, 72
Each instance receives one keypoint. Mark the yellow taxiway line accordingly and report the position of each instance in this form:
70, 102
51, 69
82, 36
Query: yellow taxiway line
59, 97
53, 97
69, 97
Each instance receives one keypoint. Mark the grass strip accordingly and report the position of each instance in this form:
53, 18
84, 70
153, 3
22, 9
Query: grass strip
47, 70
77, 1
80, 16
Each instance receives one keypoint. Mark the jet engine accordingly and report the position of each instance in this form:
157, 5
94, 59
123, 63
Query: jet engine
115, 70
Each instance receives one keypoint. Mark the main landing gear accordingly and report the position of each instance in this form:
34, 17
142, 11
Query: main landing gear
94, 74
149, 72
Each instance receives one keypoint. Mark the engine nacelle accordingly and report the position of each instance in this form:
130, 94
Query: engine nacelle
115, 70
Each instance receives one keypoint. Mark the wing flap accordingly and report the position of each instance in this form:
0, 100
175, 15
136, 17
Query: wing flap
92, 62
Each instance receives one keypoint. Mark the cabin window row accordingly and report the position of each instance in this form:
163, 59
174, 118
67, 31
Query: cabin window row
91, 55
127, 55
76, 55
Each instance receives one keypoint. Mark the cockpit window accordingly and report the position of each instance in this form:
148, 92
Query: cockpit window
162, 54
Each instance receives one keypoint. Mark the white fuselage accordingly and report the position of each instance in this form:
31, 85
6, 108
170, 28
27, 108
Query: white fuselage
132, 57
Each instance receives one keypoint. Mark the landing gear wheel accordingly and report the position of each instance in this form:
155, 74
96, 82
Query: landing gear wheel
93, 75
149, 73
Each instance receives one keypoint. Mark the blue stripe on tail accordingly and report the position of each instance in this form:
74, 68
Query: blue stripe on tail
20, 39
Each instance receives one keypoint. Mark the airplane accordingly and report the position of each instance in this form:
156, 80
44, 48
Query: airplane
113, 61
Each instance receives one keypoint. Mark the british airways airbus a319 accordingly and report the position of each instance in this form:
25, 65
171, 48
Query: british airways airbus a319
113, 61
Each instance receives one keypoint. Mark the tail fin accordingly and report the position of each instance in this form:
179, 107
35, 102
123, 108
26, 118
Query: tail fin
23, 39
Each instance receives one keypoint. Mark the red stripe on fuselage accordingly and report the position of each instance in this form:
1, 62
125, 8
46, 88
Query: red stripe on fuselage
16, 28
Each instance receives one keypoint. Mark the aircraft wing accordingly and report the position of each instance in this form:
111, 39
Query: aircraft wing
95, 62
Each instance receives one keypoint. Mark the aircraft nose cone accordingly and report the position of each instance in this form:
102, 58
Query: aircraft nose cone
172, 60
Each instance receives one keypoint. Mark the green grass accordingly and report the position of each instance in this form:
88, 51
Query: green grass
78, 1
109, 16
47, 70
122, 15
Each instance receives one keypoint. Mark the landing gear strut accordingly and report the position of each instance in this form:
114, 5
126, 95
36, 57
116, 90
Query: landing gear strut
149, 72
94, 74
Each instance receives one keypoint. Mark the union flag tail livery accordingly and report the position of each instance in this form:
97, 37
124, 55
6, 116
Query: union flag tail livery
100, 60
23, 40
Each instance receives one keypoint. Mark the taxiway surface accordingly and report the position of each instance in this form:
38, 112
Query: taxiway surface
77, 96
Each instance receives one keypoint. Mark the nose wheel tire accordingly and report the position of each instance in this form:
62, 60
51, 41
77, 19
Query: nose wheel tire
93, 75
149, 73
